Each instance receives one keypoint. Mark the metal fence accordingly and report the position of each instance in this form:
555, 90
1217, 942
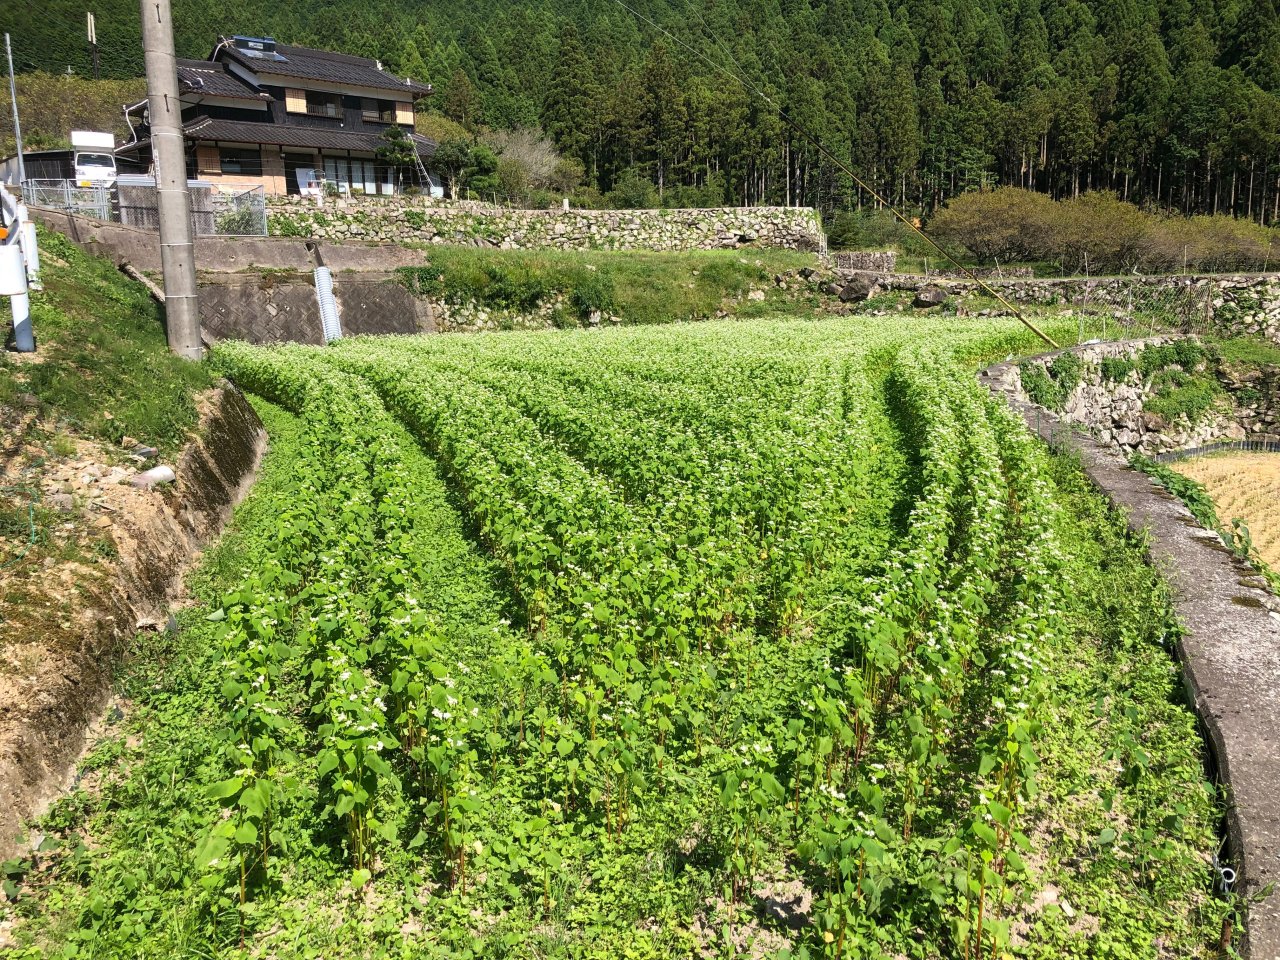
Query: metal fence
225, 211
1222, 446
93, 201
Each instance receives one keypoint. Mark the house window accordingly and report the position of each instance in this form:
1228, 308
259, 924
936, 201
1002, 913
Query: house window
323, 104
377, 111
300, 167
246, 162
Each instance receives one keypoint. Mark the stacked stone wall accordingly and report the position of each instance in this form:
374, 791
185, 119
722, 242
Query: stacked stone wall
1229, 303
1114, 414
414, 220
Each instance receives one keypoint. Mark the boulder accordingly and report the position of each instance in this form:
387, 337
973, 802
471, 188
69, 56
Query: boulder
857, 290
927, 297
1155, 423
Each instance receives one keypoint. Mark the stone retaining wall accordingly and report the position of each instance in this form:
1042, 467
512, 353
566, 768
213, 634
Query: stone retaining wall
1113, 411
874, 261
414, 220
1232, 303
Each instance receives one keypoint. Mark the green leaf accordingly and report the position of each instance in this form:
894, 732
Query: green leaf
218, 614
224, 789
360, 877
212, 850
1106, 836
246, 834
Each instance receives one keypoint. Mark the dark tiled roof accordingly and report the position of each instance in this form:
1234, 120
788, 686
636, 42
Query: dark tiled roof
323, 138
307, 64
214, 80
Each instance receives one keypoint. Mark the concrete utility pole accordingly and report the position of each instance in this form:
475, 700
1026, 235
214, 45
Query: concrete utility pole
177, 252
17, 127
93, 42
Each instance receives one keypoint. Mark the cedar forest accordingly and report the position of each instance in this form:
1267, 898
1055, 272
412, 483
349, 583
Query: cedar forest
1170, 103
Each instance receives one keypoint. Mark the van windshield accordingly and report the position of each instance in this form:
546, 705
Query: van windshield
95, 160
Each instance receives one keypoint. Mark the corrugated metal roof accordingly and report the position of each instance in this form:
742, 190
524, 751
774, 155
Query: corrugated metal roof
213, 79
339, 68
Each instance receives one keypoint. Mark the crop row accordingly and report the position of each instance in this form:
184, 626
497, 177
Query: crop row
662, 542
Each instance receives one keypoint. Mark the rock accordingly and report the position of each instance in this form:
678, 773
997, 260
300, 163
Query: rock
832, 289
102, 523
857, 290
594, 318
790, 914
62, 502
128, 442
1155, 423
755, 295
927, 297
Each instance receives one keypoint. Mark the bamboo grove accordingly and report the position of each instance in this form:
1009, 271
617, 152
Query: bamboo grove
711, 599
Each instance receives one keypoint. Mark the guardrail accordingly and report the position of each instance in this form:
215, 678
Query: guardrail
19, 266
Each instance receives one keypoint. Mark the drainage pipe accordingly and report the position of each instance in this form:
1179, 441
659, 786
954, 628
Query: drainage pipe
329, 324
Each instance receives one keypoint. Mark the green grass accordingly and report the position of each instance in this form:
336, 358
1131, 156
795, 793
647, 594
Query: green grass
1248, 351
639, 287
1124, 804
101, 356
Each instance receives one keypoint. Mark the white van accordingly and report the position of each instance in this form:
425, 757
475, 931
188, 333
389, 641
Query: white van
94, 158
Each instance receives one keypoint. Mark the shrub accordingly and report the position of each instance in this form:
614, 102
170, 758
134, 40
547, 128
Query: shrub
1039, 386
1050, 387
1008, 224
595, 293
1192, 397
1065, 370
1098, 232
633, 192
567, 176
1116, 369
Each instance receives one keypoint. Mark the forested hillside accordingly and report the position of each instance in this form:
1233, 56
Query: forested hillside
1171, 103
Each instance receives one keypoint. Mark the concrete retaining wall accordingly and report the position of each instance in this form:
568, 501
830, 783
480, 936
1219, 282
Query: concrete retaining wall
414, 219
275, 308
1230, 652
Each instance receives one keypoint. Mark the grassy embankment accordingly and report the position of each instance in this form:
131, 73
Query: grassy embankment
639, 287
101, 362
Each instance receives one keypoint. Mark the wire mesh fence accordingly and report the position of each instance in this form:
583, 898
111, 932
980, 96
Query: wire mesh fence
222, 211
94, 201
1221, 446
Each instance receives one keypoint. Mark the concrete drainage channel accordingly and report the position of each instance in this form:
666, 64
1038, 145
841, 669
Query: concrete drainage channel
1230, 651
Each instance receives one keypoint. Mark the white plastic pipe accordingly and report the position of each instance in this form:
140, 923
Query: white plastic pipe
149, 478
329, 324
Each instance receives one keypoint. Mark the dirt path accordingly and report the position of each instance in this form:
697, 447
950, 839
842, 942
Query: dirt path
1244, 485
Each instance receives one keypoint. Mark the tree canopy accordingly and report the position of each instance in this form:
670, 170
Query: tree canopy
1170, 104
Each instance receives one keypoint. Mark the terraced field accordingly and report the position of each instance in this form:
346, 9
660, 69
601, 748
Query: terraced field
779, 638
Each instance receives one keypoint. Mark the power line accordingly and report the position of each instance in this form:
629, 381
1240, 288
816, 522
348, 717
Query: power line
747, 84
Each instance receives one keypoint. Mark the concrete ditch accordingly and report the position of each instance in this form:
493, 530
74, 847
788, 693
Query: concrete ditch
156, 534
1230, 651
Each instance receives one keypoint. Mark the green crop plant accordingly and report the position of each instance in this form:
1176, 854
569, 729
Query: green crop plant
575, 644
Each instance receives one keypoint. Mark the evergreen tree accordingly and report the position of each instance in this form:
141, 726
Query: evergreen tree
571, 92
